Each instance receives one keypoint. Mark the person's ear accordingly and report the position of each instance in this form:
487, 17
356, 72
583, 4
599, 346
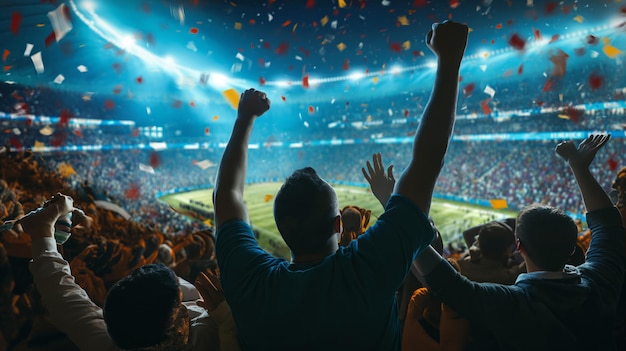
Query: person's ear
518, 245
365, 217
337, 224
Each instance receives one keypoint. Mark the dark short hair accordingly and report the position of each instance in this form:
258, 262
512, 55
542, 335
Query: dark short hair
547, 234
138, 309
494, 238
305, 209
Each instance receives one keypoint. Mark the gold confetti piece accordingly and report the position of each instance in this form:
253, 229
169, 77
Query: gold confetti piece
294, 27
341, 46
369, 118
39, 25
232, 97
342, 3
65, 170
237, 25
403, 20
38, 146
498, 204
268, 197
406, 45
215, 118
562, 116
606, 41
611, 51
579, 19
324, 21
375, 80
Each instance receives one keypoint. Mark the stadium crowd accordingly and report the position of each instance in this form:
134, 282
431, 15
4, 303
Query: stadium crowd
124, 264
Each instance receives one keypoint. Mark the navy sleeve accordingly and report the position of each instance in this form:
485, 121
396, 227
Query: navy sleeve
604, 261
387, 249
239, 256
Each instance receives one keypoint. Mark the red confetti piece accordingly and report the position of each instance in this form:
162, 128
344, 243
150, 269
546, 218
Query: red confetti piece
539, 103
559, 60
304, 51
467, 91
16, 143
305, 81
553, 39
193, 30
78, 133
311, 109
267, 45
517, 42
109, 104
310, 4
155, 160
550, 7
64, 118
395, 47
16, 21
282, 48
574, 114
520, 69
612, 163
595, 81
58, 139
8, 67
548, 86
286, 23
192, 104
252, 21
592, 39
5, 55
283, 98
419, 3
565, 10
406, 113
485, 107
454, 3
117, 89
537, 34
499, 26
176, 104
207, 131
29, 122
139, 79
133, 192
135, 132
262, 81
50, 39
346, 64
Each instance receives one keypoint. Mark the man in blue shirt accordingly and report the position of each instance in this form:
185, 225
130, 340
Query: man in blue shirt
330, 298
554, 306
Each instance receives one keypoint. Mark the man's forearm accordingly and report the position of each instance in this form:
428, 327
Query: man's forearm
594, 197
231, 175
433, 134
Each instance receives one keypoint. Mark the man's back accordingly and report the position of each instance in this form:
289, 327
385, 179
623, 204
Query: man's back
346, 300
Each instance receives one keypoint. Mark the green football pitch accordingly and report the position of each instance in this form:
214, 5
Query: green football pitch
451, 218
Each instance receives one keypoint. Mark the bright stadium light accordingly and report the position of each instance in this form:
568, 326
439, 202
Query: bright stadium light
395, 70
89, 6
356, 75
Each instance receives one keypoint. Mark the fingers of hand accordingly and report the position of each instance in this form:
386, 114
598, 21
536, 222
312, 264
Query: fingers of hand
369, 169
367, 177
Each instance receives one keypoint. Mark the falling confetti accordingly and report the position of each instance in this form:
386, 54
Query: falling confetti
595, 81
268, 198
517, 42
305, 81
611, 51
16, 21
5, 54
467, 91
559, 61
232, 96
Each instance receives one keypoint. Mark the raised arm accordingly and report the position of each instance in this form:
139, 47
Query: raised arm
231, 176
447, 40
579, 159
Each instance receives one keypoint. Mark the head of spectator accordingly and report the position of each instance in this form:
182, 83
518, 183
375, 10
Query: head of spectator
145, 311
496, 240
354, 221
306, 212
620, 186
546, 237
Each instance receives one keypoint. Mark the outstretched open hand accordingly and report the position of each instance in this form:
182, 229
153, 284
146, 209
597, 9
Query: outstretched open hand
586, 151
210, 288
382, 184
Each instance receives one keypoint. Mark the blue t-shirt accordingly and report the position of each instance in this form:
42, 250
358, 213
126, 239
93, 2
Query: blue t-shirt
347, 301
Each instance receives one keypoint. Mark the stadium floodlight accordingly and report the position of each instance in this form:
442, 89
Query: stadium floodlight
169, 60
127, 41
395, 70
431, 64
218, 80
89, 6
356, 75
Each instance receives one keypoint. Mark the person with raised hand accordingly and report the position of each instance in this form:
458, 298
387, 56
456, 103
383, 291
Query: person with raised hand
150, 309
554, 305
325, 297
